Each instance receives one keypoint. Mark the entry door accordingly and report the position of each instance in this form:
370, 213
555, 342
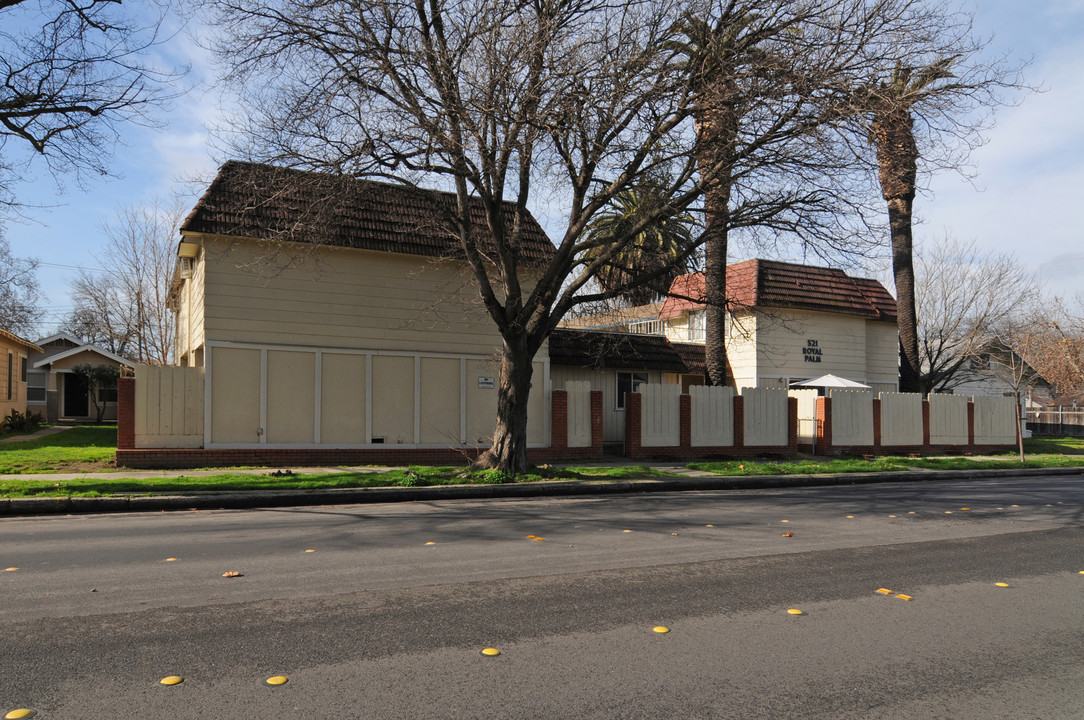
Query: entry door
76, 403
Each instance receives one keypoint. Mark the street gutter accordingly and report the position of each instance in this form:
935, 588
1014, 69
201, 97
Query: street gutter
234, 500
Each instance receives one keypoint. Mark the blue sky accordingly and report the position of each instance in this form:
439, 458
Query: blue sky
1028, 182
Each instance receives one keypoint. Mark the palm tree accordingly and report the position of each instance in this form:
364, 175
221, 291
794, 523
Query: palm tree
712, 53
892, 133
648, 264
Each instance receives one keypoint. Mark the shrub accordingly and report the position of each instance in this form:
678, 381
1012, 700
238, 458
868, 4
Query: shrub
19, 423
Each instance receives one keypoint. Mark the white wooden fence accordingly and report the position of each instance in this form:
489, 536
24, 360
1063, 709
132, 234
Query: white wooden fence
168, 407
766, 416
579, 413
852, 417
660, 413
901, 419
948, 419
711, 416
807, 414
995, 420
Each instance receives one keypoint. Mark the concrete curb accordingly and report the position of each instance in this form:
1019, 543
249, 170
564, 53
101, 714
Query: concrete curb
209, 500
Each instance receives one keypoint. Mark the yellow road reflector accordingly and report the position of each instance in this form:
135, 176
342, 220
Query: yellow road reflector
430, 543
891, 516
530, 537
276, 680
171, 559
905, 597
661, 629
851, 516
1016, 506
948, 512
1002, 584
709, 526
1082, 572
910, 512
795, 611
10, 569
884, 591
20, 714
538, 539
784, 521
310, 550
1001, 508
965, 508
171, 680
626, 531
491, 652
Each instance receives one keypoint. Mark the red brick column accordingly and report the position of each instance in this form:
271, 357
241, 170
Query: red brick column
126, 413
632, 425
792, 424
559, 419
596, 422
970, 423
926, 424
877, 422
686, 415
824, 425
739, 422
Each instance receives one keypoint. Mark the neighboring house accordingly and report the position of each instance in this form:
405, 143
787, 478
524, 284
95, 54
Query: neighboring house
333, 312
57, 393
14, 368
788, 323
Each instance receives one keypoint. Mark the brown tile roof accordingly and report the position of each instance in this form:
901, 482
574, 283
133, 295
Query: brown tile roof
603, 350
266, 202
772, 284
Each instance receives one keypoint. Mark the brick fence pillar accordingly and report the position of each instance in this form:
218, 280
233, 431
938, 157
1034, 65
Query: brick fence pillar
686, 416
877, 422
925, 424
792, 424
739, 422
596, 422
126, 413
632, 425
824, 425
559, 419
970, 423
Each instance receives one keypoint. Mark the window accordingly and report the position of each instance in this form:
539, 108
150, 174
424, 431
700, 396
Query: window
23, 375
10, 376
628, 382
696, 325
107, 394
35, 394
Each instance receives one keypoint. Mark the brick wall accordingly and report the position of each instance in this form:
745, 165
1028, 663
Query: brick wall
125, 413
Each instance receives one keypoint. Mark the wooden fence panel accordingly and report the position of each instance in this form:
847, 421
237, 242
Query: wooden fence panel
995, 420
948, 419
807, 414
660, 412
168, 407
579, 413
901, 419
711, 416
852, 418
766, 415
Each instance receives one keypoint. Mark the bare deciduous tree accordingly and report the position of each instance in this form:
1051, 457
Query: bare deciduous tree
20, 299
71, 73
964, 298
1051, 339
125, 308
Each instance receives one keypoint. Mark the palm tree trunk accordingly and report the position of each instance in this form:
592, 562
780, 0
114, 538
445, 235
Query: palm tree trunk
716, 208
897, 156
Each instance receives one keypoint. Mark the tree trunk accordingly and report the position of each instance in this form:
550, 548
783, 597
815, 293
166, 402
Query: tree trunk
897, 156
716, 203
508, 453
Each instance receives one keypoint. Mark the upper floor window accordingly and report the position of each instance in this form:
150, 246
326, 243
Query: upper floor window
696, 325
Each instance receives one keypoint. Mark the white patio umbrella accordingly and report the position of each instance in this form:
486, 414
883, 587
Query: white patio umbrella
830, 381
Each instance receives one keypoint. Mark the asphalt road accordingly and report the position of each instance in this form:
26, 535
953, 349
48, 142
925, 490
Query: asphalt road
376, 623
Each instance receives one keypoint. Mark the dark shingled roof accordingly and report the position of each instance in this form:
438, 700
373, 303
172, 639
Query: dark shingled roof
772, 284
266, 202
604, 350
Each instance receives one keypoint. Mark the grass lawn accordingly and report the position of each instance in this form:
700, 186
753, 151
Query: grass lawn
800, 466
84, 448
1058, 445
404, 477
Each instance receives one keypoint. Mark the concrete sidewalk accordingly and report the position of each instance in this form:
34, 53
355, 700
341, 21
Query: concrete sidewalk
683, 479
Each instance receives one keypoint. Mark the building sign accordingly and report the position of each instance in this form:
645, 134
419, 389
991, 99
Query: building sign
811, 352
486, 383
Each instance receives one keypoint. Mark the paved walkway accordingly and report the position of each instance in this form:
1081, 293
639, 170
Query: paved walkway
44, 432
